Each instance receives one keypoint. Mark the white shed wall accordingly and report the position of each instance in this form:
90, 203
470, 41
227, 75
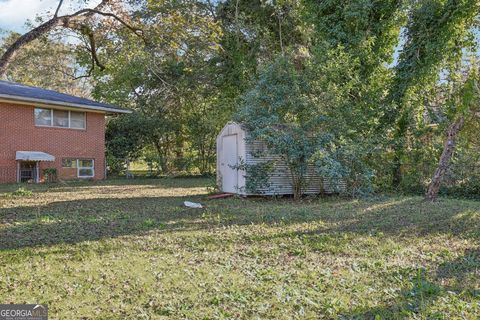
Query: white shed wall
280, 182
257, 152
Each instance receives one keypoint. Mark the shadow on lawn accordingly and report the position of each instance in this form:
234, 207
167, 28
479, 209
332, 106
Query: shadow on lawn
94, 219
461, 269
412, 301
91, 219
425, 292
74, 186
408, 217
81, 220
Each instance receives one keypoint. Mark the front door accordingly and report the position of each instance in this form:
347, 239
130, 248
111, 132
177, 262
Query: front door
229, 163
28, 171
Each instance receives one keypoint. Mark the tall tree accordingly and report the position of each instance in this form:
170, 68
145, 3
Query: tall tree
352, 51
277, 111
353, 46
434, 36
253, 34
464, 107
170, 82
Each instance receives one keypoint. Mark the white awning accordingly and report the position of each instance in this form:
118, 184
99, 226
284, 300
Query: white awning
34, 156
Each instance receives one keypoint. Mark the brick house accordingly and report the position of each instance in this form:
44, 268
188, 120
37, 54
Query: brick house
42, 129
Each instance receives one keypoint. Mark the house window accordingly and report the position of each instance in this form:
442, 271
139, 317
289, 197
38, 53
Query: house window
69, 163
85, 167
60, 118
77, 120
43, 117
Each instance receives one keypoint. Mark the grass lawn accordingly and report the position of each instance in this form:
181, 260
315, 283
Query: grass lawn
128, 249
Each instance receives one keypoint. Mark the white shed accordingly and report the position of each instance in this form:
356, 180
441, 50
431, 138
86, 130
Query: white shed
233, 150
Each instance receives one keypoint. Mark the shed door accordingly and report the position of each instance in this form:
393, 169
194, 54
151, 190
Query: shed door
230, 158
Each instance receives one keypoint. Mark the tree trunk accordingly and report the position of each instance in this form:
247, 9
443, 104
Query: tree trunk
298, 182
444, 162
162, 157
297, 189
399, 145
397, 169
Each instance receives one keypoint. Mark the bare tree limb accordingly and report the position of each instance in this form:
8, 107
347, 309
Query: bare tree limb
136, 31
93, 47
74, 21
86, 75
58, 8
211, 8
28, 37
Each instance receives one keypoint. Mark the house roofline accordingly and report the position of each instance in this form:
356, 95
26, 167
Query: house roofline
20, 99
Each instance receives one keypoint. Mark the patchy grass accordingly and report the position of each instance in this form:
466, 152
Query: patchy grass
20, 192
128, 249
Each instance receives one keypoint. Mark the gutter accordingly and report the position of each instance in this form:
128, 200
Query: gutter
63, 104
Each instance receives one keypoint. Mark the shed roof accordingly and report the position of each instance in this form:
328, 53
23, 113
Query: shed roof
13, 91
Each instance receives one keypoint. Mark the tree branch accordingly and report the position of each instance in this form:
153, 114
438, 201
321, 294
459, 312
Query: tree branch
86, 75
72, 21
28, 37
58, 8
210, 8
93, 47
136, 31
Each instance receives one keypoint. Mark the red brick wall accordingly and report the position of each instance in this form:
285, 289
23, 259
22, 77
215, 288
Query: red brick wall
19, 133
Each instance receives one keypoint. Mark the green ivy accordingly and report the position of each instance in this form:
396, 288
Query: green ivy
50, 174
257, 176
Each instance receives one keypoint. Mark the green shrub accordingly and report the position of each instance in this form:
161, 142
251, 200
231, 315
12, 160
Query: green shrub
50, 174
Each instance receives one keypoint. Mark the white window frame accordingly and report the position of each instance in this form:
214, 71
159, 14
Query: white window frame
79, 168
51, 119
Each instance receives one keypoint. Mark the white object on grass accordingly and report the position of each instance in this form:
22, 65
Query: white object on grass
192, 205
